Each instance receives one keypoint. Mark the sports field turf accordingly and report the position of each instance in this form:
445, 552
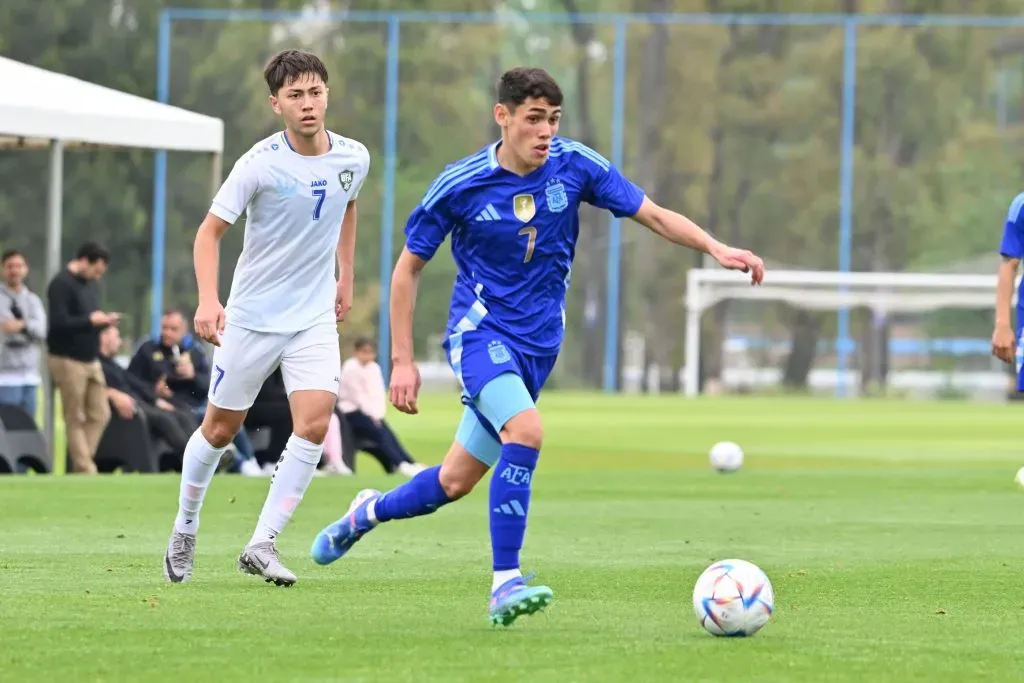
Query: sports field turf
891, 532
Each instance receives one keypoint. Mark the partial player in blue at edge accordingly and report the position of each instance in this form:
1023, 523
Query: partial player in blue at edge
1005, 338
511, 210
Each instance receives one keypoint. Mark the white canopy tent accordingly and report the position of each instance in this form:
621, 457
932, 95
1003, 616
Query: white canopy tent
42, 108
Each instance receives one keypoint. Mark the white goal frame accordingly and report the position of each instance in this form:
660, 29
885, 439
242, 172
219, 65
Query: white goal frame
882, 292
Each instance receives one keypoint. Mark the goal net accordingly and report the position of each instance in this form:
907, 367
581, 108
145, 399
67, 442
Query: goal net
912, 334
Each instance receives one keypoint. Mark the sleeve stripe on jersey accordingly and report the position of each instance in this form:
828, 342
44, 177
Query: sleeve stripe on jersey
582, 150
452, 170
1013, 215
448, 181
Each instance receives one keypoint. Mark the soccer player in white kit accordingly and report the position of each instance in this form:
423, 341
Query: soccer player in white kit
299, 189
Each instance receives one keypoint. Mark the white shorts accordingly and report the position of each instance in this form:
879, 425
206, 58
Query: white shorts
309, 360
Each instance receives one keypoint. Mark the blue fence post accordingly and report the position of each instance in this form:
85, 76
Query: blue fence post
611, 334
159, 246
846, 195
387, 226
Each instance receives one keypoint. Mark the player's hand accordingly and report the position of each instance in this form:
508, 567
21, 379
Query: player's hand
343, 298
209, 321
405, 387
1004, 346
740, 259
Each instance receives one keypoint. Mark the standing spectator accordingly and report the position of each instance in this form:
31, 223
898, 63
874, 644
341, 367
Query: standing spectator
362, 399
22, 332
74, 348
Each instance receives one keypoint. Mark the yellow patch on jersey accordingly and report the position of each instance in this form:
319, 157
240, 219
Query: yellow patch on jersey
523, 207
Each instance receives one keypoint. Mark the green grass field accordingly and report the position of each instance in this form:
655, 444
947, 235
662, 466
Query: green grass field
891, 532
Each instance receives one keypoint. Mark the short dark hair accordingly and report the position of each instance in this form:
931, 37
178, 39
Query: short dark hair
9, 254
363, 343
523, 82
288, 65
93, 252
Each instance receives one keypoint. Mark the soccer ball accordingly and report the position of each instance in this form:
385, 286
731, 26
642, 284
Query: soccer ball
733, 598
725, 456
1019, 479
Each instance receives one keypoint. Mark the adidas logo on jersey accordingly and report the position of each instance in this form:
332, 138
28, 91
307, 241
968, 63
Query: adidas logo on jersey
488, 214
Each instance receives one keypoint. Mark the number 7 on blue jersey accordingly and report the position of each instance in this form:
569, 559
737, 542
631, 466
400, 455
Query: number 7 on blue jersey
320, 195
531, 242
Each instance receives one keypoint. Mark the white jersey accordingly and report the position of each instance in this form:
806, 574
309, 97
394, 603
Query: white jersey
285, 276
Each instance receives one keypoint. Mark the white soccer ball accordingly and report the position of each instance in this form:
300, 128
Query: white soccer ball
726, 456
733, 598
1019, 479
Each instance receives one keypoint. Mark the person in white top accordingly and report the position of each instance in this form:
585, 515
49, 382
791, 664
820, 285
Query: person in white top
362, 400
298, 189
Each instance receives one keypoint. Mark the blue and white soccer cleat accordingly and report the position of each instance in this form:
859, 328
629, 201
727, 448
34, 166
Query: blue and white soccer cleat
336, 539
514, 599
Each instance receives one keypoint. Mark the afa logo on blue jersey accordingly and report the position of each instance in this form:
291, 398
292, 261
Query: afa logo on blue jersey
558, 201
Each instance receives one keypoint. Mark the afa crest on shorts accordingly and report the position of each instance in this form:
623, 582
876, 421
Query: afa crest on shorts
498, 352
523, 207
345, 178
557, 199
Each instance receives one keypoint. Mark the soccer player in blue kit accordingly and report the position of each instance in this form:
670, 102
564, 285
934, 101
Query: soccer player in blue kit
1005, 338
512, 212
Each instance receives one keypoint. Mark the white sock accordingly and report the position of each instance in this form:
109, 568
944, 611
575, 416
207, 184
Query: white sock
500, 577
291, 479
198, 466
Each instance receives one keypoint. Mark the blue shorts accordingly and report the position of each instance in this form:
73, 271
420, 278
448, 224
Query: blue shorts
498, 382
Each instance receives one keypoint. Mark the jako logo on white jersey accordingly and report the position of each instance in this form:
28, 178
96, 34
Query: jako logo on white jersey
320, 182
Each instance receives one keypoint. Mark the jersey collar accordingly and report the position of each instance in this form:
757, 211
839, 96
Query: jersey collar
492, 154
330, 143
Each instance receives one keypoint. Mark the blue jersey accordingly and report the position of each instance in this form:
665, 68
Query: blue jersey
1012, 245
513, 238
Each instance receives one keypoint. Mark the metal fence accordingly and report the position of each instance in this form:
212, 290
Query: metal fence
849, 142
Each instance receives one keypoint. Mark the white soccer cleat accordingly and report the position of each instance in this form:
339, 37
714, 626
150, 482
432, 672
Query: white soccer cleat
179, 558
262, 559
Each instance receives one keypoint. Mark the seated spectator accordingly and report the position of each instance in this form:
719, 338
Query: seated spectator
22, 333
362, 400
130, 395
177, 360
180, 370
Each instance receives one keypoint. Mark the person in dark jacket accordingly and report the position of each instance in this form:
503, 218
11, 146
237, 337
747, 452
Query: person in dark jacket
73, 344
180, 370
130, 395
177, 359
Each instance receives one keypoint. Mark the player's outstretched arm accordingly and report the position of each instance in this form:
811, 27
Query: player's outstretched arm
679, 229
346, 263
210, 319
1004, 344
405, 377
